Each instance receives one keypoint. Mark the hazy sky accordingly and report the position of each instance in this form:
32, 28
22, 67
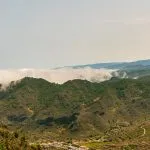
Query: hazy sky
51, 33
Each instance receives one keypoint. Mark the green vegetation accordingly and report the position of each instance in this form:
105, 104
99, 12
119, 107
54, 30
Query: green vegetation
13, 141
111, 111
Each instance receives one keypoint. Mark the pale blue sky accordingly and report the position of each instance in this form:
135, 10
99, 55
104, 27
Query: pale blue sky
52, 33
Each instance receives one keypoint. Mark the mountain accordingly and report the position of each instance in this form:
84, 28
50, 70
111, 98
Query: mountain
124, 69
108, 110
118, 65
76, 109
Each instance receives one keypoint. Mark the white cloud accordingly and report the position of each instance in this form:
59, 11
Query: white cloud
56, 75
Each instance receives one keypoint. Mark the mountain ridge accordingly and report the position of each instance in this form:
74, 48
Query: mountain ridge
115, 65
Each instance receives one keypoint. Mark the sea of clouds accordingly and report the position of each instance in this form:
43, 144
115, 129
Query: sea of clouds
59, 76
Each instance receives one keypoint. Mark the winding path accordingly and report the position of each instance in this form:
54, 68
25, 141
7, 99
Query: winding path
144, 131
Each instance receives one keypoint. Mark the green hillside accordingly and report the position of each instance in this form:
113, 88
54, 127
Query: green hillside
77, 109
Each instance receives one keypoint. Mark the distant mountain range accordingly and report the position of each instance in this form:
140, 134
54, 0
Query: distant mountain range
92, 72
124, 69
118, 65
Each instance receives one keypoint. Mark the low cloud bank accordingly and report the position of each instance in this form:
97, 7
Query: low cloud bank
56, 75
